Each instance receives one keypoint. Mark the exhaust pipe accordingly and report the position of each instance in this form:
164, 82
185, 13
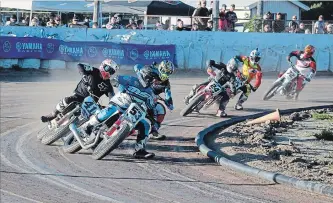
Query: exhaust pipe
68, 115
77, 136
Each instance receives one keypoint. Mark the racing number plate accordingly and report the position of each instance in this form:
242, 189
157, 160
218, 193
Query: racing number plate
215, 88
89, 107
290, 75
134, 113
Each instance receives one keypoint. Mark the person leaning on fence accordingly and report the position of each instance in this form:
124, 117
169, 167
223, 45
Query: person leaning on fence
268, 19
278, 24
180, 26
223, 23
201, 11
12, 21
301, 28
293, 23
231, 17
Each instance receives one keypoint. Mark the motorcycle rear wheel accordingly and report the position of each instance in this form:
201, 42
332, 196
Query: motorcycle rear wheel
106, 146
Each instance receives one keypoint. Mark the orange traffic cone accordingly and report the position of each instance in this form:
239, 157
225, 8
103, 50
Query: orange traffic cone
275, 116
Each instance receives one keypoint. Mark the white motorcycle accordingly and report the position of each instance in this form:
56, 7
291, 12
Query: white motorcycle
285, 85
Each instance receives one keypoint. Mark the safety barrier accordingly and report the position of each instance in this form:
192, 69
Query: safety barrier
193, 49
270, 176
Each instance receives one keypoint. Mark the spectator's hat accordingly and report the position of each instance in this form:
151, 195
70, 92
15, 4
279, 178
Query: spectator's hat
278, 13
232, 5
223, 5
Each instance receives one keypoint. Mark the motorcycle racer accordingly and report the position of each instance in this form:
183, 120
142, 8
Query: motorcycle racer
157, 77
251, 69
130, 90
225, 74
305, 64
94, 80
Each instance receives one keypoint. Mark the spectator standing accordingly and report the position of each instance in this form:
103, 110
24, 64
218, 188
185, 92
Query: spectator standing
231, 17
209, 26
223, 23
111, 24
319, 27
34, 22
293, 25
330, 29
180, 26
200, 12
74, 23
140, 25
51, 23
57, 21
267, 28
95, 25
301, 28
268, 19
118, 19
130, 22
86, 22
12, 21
278, 24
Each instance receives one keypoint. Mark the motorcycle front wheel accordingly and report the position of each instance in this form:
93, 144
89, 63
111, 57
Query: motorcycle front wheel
272, 90
107, 145
192, 105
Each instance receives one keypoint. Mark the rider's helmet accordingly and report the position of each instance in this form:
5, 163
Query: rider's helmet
232, 66
165, 69
308, 51
107, 68
255, 56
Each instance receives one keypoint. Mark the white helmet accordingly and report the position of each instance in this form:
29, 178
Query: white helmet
255, 56
232, 65
107, 68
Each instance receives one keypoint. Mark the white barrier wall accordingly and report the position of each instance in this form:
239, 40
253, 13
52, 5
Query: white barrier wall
193, 49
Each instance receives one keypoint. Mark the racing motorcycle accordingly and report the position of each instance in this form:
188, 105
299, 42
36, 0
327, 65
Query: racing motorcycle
205, 96
285, 85
106, 136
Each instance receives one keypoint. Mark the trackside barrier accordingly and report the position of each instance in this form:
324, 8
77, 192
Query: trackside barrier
270, 176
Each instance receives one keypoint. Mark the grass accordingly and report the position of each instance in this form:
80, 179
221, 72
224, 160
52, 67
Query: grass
324, 135
322, 116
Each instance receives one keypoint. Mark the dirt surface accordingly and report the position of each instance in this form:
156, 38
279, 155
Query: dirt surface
288, 147
33, 172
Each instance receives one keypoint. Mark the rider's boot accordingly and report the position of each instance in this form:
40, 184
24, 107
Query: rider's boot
239, 104
88, 126
192, 93
221, 113
140, 151
157, 136
59, 108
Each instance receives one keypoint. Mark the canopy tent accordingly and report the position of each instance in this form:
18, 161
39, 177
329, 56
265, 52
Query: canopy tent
121, 6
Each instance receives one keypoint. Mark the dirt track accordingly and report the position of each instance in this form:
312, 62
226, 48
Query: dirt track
32, 172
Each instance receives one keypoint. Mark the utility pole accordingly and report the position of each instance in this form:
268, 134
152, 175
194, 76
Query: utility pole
260, 8
215, 13
96, 12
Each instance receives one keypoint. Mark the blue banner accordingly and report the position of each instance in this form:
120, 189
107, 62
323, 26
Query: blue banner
91, 52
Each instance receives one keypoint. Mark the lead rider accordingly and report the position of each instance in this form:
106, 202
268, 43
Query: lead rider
94, 80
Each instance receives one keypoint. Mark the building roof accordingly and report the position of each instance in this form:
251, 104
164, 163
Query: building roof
297, 3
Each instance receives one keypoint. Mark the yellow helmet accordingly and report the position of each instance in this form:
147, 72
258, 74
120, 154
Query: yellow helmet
165, 69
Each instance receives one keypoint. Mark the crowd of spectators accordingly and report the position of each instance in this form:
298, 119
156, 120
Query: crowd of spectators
278, 25
201, 21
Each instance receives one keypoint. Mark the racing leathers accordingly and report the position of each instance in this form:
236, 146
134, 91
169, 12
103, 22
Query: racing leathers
306, 66
149, 77
131, 86
91, 82
223, 77
247, 74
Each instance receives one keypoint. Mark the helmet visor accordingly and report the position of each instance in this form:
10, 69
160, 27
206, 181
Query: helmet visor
257, 59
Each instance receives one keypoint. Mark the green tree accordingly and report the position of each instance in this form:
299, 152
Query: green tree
318, 8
